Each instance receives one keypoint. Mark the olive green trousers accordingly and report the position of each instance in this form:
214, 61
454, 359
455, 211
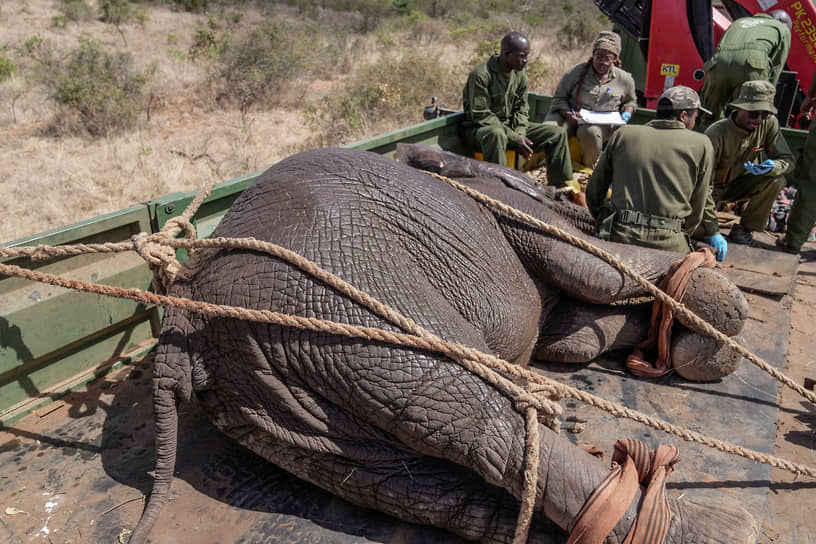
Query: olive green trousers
803, 212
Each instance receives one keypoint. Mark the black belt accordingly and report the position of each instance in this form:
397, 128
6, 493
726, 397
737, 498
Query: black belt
632, 217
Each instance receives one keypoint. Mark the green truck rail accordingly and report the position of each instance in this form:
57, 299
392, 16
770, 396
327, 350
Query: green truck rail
54, 340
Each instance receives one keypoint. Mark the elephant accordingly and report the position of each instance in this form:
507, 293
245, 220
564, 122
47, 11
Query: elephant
403, 430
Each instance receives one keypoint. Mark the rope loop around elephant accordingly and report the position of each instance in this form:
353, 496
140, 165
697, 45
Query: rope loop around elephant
532, 405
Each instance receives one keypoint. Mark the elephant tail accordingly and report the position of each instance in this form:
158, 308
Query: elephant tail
166, 435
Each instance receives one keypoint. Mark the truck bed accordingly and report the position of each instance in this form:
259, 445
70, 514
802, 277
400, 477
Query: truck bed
76, 470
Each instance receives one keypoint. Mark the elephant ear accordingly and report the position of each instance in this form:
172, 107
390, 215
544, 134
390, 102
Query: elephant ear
451, 165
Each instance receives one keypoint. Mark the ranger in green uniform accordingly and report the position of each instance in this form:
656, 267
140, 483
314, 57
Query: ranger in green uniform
599, 84
751, 158
752, 48
497, 112
803, 212
660, 175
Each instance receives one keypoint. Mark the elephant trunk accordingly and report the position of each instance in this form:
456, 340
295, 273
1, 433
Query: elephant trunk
166, 436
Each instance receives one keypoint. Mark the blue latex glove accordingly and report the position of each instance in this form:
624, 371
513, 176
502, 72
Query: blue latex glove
759, 169
626, 116
719, 243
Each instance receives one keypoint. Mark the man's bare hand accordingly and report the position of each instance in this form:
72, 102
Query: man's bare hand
808, 104
525, 146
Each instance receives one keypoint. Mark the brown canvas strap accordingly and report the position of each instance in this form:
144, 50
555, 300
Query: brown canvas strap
633, 464
673, 284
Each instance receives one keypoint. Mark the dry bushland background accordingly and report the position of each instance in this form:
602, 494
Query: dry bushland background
108, 103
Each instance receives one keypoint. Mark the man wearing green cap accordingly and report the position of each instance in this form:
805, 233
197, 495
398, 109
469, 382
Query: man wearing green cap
752, 48
751, 158
660, 174
803, 212
497, 112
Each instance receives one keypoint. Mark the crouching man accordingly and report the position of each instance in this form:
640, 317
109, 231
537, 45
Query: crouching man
660, 176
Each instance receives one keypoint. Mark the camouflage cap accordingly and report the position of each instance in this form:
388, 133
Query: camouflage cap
756, 95
683, 98
608, 41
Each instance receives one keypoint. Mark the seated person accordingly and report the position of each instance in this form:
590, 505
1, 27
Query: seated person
497, 111
750, 159
598, 84
660, 174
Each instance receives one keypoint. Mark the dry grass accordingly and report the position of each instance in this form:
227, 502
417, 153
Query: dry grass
184, 140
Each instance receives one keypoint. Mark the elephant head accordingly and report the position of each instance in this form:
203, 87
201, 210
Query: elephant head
399, 429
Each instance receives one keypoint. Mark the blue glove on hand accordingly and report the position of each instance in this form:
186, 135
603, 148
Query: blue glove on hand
626, 116
759, 169
719, 243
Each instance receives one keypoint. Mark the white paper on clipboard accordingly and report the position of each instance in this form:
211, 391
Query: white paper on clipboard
600, 118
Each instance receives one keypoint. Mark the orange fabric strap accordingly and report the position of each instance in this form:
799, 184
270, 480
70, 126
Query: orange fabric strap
633, 464
674, 284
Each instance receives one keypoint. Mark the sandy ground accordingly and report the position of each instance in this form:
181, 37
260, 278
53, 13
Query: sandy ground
792, 498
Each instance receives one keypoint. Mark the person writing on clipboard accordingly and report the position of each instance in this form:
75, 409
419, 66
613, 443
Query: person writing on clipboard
598, 85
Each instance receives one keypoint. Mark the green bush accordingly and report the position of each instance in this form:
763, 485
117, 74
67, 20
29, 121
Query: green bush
117, 12
255, 66
391, 92
7, 69
198, 6
99, 92
581, 24
76, 10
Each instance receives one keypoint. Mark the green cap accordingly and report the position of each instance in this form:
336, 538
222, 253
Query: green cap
683, 98
755, 95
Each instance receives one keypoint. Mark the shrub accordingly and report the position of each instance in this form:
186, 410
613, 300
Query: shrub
76, 10
257, 65
581, 24
198, 6
117, 12
99, 92
390, 92
7, 69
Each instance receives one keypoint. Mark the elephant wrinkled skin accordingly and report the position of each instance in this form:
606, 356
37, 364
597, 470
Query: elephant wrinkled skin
405, 431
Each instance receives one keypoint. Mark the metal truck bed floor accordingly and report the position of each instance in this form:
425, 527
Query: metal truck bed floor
75, 467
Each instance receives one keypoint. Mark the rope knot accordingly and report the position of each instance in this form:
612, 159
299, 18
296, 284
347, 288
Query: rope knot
160, 257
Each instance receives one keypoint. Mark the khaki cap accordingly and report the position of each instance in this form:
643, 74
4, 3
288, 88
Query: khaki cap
683, 98
608, 41
755, 95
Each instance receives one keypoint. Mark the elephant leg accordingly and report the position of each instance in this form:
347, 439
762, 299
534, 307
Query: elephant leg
417, 489
577, 332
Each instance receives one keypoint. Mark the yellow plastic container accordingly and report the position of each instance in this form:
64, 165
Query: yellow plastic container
510, 156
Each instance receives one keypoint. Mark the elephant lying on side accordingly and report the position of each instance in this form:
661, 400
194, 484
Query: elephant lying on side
400, 430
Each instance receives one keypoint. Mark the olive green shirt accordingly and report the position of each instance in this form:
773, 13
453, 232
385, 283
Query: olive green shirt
762, 34
493, 98
660, 168
613, 95
733, 147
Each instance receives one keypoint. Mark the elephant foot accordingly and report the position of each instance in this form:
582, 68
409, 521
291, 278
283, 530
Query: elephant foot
576, 332
711, 523
714, 298
701, 358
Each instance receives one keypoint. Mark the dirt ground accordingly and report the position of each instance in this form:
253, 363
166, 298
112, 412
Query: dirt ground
792, 498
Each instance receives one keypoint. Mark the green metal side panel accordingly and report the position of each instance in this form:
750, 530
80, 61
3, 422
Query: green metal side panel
442, 133
50, 336
211, 211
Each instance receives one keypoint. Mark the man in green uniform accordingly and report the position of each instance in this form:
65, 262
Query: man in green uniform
660, 175
752, 48
803, 212
751, 158
598, 85
497, 112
